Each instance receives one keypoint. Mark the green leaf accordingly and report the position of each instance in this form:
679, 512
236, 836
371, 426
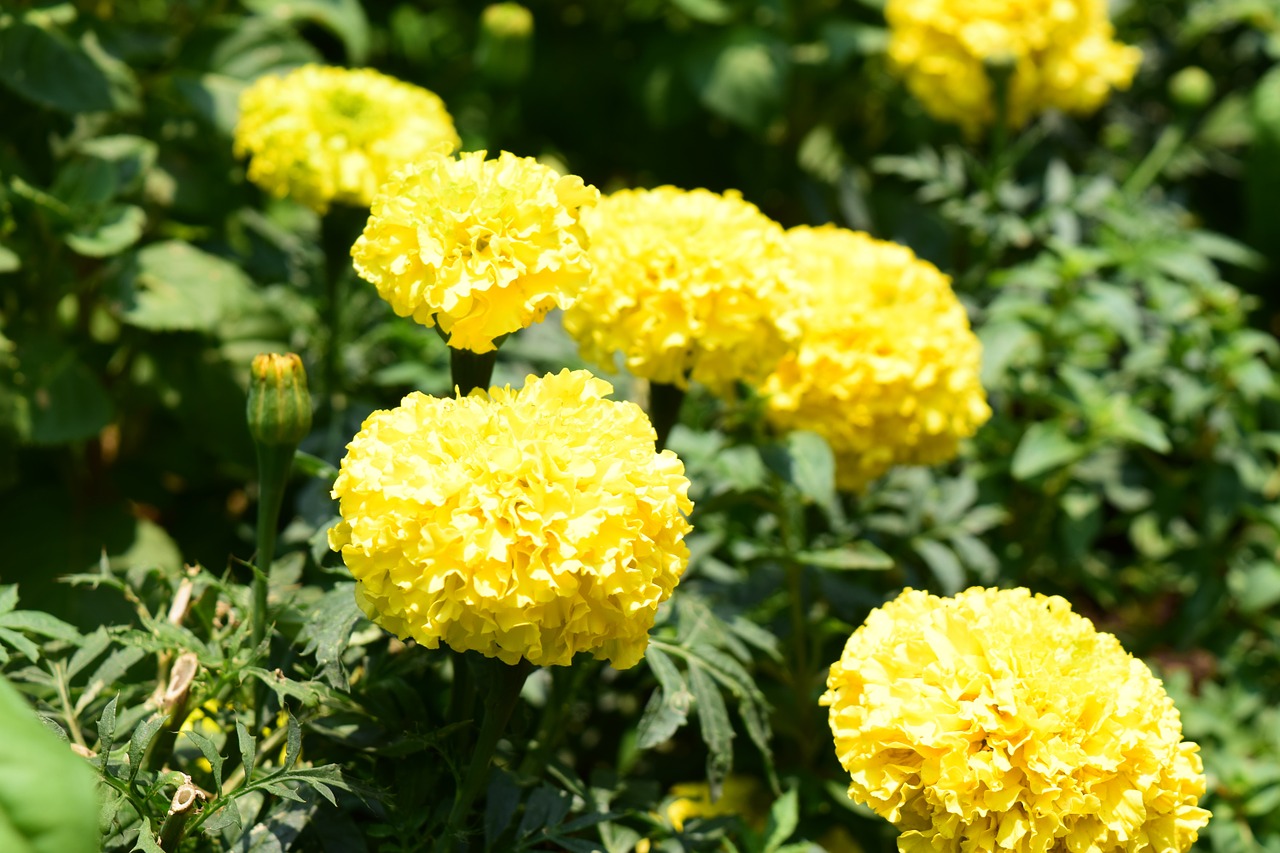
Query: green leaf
943, 562
663, 716
713, 718
24, 646
106, 732
210, 752
107, 232
9, 260
142, 737
741, 76
813, 469
8, 597
342, 18
293, 742
854, 556
90, 647
45, 66
784, 817
248, 750
1128, 421
500, 807
328, 629
173, 286
1044, 447
67, 401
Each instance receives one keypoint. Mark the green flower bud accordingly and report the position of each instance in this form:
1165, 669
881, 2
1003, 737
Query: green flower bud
504, 51
279, 409
1192, 88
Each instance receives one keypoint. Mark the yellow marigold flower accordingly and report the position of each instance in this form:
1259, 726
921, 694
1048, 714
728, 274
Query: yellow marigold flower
688, 284
1001, 721
324, 135
741, 796
535, 523
1062, 52
887, 368
482, 247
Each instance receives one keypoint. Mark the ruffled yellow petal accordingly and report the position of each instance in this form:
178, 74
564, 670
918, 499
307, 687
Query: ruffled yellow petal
1062, 52
887, 369
1001, 721
481, 247
533, 523
688, 284
322, 135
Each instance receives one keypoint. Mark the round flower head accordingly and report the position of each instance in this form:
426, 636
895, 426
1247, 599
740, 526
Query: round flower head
482, 247
1061, 53
533, 524
687, 285
323, 135
1001, 721
887, 368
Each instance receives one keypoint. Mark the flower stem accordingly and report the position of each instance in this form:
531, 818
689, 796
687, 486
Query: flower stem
664, 409
274, 464
1145, 173
1000, 74
504, 693
471, 370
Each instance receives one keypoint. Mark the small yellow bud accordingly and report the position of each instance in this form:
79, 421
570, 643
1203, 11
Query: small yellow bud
279, 408
504, 51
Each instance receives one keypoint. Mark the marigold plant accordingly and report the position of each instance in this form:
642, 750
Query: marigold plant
1062, 54
322, 135
481, 247
688, 284
533, 523
999, 720
887, 369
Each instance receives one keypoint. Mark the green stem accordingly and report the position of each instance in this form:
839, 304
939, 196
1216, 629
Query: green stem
274, 464
564, 689
472, 370
999, 74
1157, 159
504, 694
791, 529
664, 409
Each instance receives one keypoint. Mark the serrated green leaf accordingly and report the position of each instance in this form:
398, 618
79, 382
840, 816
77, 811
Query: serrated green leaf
44, 624
661, 719
248, 750
713, 719
106, 732
293, 742
93, 645
226, 817
210, 752
142, 737
24, 647
501, 804
147, 841
8, 597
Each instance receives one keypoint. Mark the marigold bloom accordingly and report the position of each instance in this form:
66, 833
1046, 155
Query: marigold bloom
324, 135
887, 368
741, 796
1001, 721
688, 284
482, 247
535, 523
1062, 52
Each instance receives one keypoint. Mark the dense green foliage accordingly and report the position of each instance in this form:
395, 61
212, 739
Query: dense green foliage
1117, 270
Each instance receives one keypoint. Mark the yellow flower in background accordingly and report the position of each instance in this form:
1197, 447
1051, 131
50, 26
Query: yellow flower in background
888, 369
481, 247
740, 796
688, 284
322, 135
533, 523
1062, 52
1001, 721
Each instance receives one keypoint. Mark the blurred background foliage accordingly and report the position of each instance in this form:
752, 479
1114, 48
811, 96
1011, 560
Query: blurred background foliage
1119, 270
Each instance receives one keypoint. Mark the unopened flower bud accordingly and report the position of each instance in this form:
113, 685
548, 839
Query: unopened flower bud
504, 51
279, 409
1192, 88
